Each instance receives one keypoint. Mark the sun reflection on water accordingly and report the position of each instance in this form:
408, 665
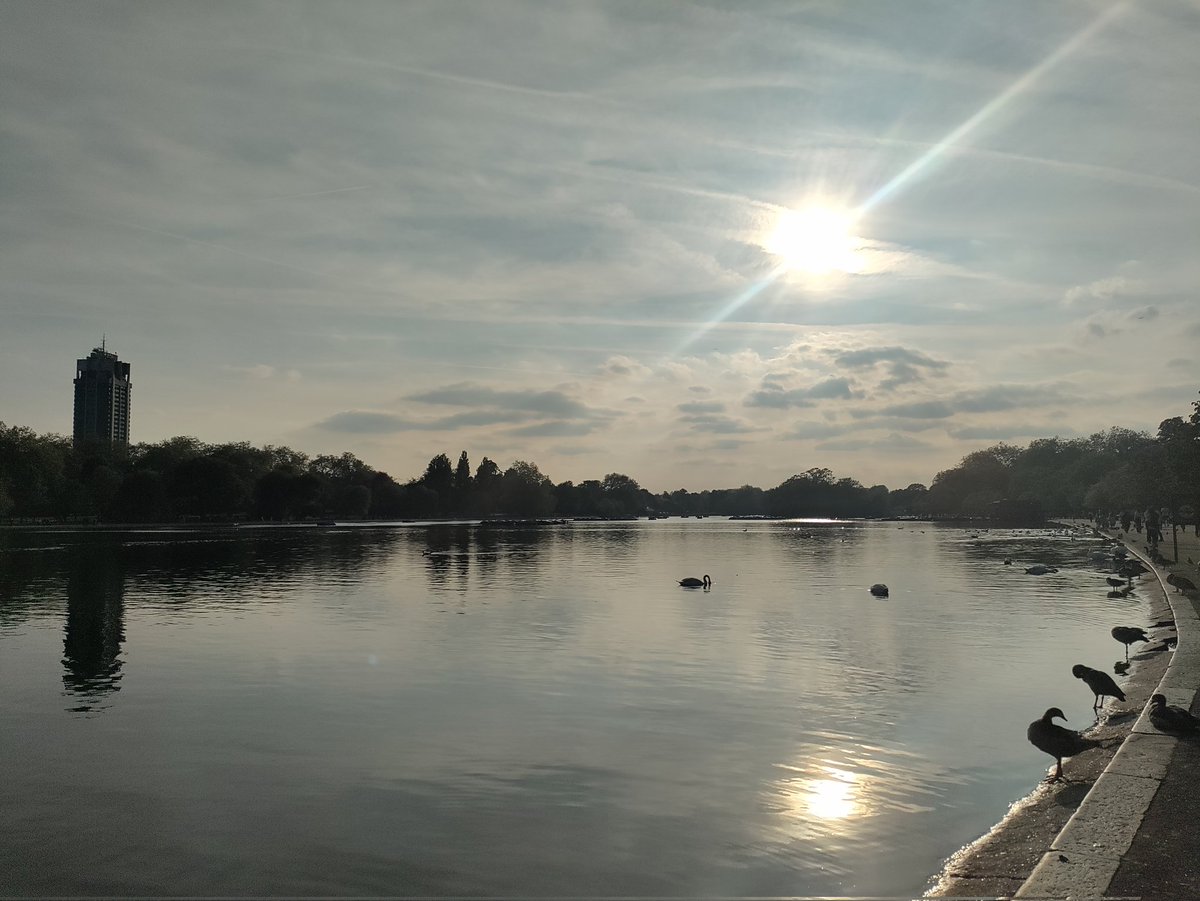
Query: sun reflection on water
834, 798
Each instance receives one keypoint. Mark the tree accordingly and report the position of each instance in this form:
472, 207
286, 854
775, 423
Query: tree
486, 494
525, 491
462, 473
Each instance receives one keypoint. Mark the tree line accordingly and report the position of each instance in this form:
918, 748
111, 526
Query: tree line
45, 477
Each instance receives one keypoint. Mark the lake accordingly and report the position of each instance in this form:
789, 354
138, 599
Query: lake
465, 710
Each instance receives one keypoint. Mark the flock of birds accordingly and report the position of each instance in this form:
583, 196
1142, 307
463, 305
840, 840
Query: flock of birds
1045, 734
1060, 742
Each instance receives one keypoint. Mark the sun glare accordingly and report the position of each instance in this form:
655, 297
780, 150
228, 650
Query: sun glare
816, 241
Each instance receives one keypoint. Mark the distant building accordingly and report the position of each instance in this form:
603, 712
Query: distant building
102, 399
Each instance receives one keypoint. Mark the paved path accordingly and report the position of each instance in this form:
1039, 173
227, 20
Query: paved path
1137, 833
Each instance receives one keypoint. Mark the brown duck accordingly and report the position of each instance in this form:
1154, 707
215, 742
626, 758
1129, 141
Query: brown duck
1057, 741
1101, 683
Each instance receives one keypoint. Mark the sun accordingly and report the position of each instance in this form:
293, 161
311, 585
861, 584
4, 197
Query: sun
816, 241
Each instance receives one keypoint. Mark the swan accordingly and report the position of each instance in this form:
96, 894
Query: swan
693, 582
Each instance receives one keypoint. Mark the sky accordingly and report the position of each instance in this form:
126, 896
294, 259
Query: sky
703, 244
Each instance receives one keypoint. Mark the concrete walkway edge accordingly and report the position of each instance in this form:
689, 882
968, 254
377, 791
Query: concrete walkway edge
1084, 857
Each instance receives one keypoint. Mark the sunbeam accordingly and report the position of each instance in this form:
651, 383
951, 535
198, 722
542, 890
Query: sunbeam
831, 253
990, 108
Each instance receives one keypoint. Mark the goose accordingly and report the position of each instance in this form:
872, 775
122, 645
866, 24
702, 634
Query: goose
1127, 635
1101, 683
1040, 569
1181, 583
1171, 718
1057, 741
693, 582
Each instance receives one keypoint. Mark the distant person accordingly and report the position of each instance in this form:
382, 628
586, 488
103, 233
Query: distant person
1126, 519
1153, 526
1137, 523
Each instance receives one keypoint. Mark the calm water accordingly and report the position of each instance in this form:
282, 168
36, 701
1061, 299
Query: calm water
456, 710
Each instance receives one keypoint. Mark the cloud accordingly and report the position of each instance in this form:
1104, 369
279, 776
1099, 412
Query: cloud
1103, 289
701, 407
718, 425
867, 357
772, 394
364, 422
262, 371
928, 409
803, 431
623, 367
894, 443
992, 399
1008, 431
902, 366
544, 403
372, 422
556, 430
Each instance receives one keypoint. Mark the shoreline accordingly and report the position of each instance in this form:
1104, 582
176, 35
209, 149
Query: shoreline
999, 862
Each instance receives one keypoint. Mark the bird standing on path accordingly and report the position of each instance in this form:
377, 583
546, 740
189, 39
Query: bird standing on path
1057, 741
1171, 718
693, 582
1101, 683
1181, 583
1127, 635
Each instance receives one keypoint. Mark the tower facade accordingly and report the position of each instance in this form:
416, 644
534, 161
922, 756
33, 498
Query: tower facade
102, 390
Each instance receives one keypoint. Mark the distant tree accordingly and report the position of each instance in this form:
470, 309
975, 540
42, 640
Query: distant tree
286, 492
486, 494
207, 486
142, 497
622, 495
462, 473
525, 491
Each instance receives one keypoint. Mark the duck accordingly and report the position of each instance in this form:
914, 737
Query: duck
1127, 635
879, 590
1040, 569
1101, 683
1181, 583
1057, 741
1171, 718
693, 582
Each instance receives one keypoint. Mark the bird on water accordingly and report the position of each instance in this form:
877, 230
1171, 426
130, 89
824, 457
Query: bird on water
1114, 581
1169, 718
1181, 583
1127, 635
1057, 741
1101, 683
879, 590
693, 582
1040, 569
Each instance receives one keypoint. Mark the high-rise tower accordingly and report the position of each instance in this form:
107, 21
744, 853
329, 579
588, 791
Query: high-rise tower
102, 398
